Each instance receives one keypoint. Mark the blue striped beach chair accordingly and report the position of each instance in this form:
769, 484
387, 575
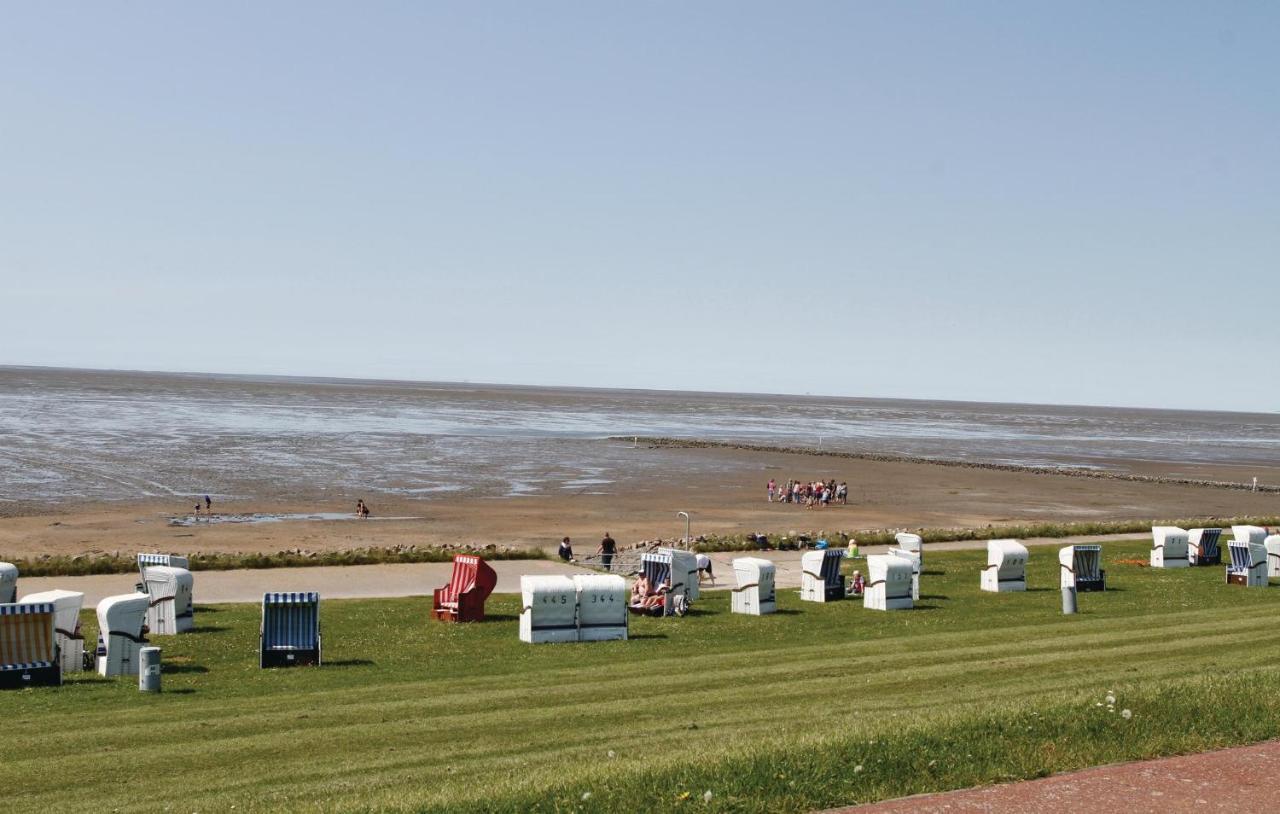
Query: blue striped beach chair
820, 577
1202, 546
8, 582
1248, 564
657, 568
290, 633
28, 645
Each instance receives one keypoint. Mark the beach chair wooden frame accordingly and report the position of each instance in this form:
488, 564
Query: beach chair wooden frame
462, 600
122, 629
66, 626
1006, 568
171, 609
548, 609
756, 594
1248, 566
1203, 548
820, 577
888, 583
8, 583
1169, 547
602, 607
28, 645
1080, 567
289, 635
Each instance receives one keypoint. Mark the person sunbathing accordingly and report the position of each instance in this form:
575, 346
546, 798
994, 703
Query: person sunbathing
643, 594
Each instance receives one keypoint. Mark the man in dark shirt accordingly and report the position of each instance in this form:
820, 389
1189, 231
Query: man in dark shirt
608, 547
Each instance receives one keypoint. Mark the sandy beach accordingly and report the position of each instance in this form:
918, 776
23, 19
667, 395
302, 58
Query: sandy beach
724, 494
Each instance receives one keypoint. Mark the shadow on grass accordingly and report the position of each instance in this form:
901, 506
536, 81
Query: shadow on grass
209, 629
349, 663
941, 573
206, 609
497, 617
787, 612
935, 596
180, 691
924, 606
646, 636
183, 668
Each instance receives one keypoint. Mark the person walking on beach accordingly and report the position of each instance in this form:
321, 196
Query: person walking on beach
566, 550
608, 547
208, 504
773, 487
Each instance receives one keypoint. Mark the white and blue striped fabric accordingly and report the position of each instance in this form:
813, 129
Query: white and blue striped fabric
291, 621
27, 642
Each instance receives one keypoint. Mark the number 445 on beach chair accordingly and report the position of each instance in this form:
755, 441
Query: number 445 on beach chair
290, 633
462, 600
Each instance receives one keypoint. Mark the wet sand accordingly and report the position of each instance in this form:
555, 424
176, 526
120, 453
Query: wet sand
724, 492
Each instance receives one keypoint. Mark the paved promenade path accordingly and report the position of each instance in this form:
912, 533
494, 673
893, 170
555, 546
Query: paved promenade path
1238, 780
418, 579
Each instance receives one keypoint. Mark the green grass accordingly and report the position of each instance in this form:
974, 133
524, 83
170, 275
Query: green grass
770, 714
63, 566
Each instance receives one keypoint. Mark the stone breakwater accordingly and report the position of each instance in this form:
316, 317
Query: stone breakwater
1069, 471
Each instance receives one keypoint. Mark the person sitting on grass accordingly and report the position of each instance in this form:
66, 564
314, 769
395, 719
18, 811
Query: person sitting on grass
858, 586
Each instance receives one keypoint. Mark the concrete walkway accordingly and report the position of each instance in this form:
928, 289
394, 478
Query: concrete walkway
419, 579
1238, 780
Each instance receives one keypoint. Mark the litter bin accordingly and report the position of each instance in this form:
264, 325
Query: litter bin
149, 669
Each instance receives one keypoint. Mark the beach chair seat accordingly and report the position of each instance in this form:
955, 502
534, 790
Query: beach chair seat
1080, 567
755, 595
1169, 547
290, 632
462, 600
66, 626
122, 631
911, 542
549, 609
28, 645
602, 607
1202, 547
1248, 564
171, 609
1006, 568
1272, 545
820, 577
684, 565
8, 583
888, 583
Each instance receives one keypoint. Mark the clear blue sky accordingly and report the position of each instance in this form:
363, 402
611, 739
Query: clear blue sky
1066, 202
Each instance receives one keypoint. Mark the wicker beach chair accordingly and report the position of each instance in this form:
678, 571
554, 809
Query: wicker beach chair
1006, 568
8, 582
1202, 546
462, 600
121, 633
549, 609
755, 594
1169, 546
1248, 565
888, 583
28, 645
66, 626
171, 609
1081, 568
290, 631
602, 607
820, 577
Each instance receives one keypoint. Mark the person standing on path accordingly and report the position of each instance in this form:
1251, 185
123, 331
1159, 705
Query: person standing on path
608, 547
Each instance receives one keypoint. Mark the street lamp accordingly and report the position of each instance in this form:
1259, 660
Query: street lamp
685, 515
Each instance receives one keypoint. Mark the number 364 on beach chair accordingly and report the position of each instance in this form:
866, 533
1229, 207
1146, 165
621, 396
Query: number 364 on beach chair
462, 600
290, 632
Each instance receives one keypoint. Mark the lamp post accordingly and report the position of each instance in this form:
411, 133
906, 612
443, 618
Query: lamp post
685, 515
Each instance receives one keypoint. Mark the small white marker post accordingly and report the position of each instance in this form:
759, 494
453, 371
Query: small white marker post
1255, 484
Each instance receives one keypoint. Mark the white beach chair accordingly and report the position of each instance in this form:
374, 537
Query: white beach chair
1249, 534
1272, 545
1202, 546
755, 594
1006, 568
66, 626
28, 645
911, 542
549, 609
916, 566
888, 583
1169, 547
290, 632
820, 577
120, 633
1081, 568
171, 610
1248, 564
8, 582
684, 566
657, 568
602, 607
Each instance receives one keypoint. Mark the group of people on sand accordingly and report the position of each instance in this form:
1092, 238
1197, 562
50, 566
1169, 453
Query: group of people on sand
815, 493
208, 507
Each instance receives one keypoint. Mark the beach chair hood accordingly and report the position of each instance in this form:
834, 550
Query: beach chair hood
8, 582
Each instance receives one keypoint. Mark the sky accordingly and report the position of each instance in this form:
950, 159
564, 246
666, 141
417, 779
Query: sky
1072, 203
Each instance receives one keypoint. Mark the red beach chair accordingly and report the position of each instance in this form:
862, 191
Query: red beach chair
462, 600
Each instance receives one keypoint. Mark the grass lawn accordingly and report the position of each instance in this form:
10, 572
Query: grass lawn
817, 705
